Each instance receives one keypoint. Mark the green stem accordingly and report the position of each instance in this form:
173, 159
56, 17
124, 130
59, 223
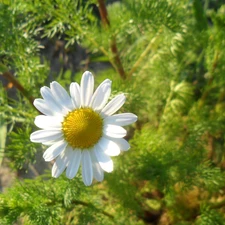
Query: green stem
210, 81
79, 202
168, 100
97, 45
142, 56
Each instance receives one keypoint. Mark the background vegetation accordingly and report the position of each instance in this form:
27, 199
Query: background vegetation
169, 58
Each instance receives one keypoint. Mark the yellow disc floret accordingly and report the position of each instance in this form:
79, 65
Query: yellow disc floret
82, 128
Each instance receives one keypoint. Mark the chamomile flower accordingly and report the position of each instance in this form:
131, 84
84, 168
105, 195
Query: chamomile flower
81, 128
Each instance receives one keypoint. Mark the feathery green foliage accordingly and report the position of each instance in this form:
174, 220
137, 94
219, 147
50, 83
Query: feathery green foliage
168, 58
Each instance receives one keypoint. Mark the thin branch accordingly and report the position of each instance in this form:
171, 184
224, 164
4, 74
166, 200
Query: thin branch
221, 97
116, 59
106, 23
142, 56
218, 205
90, 39
87, 204
96, 44
103, 13
18, 86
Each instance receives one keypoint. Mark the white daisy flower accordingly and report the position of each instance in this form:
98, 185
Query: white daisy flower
81, 128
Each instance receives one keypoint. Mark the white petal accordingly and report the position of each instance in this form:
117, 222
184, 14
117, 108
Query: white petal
122, 143
45, 122
41, 105
45, 135
114, 105
98, 173
68, 154
122, 119
61, 96
114, 131
109, 147
53, 151
101, 95
86, 88
87, 171
48, 143
61, 163
75, 94
51, 102
104, 160
73, 164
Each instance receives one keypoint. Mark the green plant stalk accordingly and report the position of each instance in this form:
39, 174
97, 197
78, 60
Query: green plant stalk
210, 81
97, 45
168, 100
79, 202
142, 56
86, 204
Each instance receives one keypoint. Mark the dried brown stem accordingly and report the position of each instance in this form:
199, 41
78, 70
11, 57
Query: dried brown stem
103, 13
116, 59
113, 46
18, 86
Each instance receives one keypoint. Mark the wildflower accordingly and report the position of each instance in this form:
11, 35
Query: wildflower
81, 128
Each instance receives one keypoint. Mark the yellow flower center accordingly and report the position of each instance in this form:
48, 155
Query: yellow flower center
82, 128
